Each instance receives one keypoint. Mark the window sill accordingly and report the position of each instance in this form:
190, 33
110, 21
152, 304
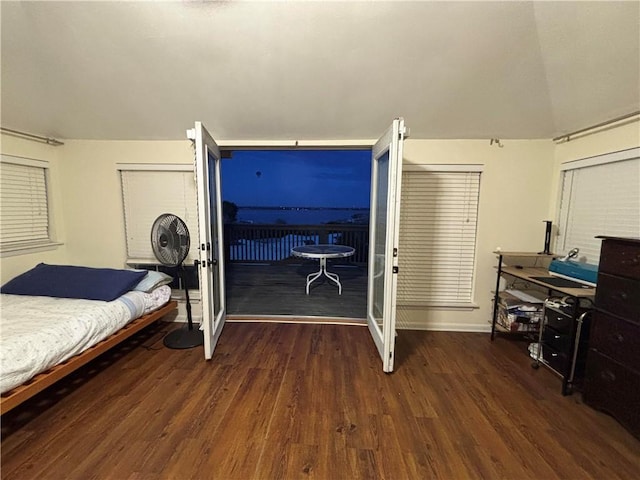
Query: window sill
439, 306
12, 251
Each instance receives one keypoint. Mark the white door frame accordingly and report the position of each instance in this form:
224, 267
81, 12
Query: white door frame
210, 245
383, 259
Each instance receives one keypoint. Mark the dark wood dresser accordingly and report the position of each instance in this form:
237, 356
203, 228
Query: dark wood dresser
612, 382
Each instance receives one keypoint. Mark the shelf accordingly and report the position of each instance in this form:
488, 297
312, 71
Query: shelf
531, 335
527, 273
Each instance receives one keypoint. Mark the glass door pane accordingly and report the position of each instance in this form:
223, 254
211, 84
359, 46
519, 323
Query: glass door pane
210, 246
386, 177
382, 182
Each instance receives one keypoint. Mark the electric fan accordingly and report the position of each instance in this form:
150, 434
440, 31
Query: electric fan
170, 243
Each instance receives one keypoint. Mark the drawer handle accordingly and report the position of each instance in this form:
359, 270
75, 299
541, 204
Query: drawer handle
554, 355
632, 262
556, 337
623, 295
608, 375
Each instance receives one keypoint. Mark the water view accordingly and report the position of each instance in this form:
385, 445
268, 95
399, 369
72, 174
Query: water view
268, 194
297, 187
301, 215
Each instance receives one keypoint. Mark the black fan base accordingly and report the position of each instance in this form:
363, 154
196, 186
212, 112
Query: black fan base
182, 338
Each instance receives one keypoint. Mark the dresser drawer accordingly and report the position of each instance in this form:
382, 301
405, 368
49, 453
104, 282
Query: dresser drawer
620, 258
560, 322
560, 342
614, 389
555, 359
620, 296
617, 339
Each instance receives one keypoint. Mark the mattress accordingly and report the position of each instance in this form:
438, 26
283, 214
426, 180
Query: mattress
37, 333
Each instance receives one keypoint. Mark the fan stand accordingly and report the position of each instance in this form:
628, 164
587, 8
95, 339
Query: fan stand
184, 337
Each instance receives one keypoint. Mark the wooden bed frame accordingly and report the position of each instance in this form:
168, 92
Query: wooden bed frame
19, 394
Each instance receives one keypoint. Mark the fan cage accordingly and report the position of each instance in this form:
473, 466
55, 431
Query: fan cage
170, 239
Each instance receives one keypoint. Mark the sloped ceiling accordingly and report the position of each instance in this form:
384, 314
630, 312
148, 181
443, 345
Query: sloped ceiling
317, 70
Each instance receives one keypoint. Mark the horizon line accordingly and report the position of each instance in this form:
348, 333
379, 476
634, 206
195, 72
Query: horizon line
258, 207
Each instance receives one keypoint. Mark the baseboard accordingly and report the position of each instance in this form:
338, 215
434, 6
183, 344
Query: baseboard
297, 319
445, 327
434, 326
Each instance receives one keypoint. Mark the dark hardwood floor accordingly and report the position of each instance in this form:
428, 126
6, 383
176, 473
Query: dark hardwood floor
279, 289
296, 401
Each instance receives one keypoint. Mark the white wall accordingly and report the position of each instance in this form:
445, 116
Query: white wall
518, 192
514, 201
14, 265
519, 189
92, 199
600, 142
92, 195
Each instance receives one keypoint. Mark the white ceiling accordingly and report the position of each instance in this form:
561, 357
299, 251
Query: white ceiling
317, 70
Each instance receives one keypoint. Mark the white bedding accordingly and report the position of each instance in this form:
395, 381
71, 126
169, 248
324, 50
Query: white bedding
37, 333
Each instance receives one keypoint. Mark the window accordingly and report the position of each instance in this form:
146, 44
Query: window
149, 191
438, 218
599, 196
24, 200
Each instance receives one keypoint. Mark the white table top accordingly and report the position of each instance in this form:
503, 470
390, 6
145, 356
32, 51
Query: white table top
322, 251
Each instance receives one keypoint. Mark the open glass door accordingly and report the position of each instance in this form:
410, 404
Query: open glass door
386, 179
210, 245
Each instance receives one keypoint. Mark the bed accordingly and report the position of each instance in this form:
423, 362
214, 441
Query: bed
46, 337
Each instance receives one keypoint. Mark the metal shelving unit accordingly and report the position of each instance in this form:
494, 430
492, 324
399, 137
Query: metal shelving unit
563, 331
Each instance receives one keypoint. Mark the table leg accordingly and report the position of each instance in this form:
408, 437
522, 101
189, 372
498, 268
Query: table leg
334, 277
314, 276
323, 271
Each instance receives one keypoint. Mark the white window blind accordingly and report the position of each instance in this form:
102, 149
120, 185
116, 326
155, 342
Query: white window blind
599, 198
24, 212
146, 195
438, 218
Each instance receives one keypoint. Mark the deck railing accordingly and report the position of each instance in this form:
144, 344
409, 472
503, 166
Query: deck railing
273, 243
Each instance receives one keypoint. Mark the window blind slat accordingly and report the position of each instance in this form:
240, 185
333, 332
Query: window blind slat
437, 237
147, 195
597, 200
24, 209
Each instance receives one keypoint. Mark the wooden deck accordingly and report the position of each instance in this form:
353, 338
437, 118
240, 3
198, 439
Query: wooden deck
279, 289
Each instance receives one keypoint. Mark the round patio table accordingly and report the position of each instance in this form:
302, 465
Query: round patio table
322, 252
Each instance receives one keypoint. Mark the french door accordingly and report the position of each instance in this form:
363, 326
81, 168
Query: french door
210, 245
386, 179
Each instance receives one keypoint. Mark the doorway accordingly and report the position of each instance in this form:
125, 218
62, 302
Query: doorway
386, 170
275, 200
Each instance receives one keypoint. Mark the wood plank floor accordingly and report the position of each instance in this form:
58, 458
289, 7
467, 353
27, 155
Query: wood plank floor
255, 289
293, 401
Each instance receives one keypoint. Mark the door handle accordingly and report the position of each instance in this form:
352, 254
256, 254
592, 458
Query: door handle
205, 263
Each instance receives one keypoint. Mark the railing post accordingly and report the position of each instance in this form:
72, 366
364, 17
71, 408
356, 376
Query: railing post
257, 243
227, 240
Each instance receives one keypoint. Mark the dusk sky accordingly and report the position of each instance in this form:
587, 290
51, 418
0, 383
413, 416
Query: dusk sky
297, 178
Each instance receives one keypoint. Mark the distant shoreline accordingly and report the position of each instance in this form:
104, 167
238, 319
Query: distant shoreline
300, 208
